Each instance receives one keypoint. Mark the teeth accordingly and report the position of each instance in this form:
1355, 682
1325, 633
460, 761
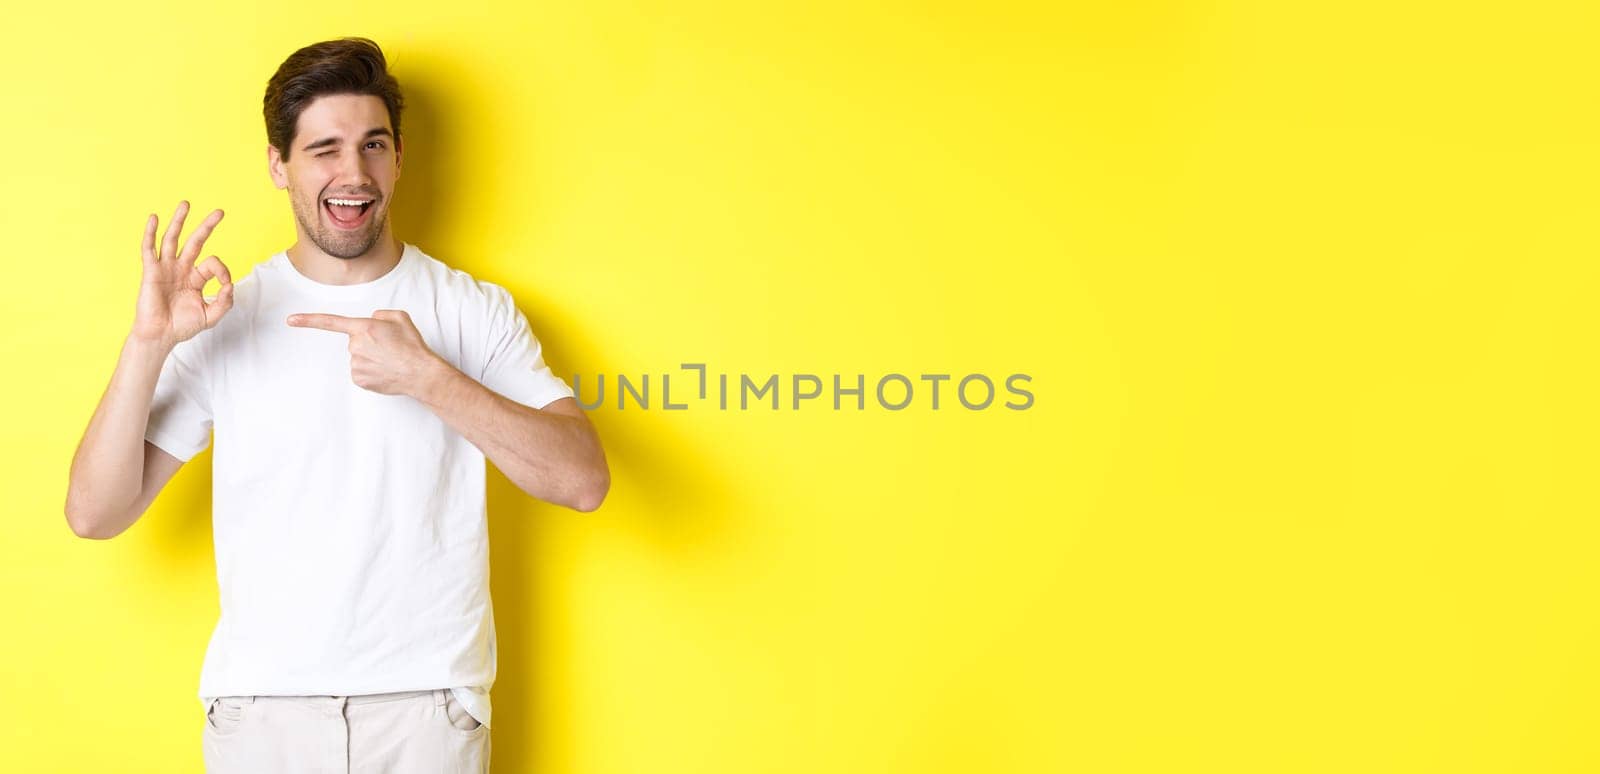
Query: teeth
349, 202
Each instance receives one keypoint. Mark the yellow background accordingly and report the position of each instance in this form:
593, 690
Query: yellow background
1306, 291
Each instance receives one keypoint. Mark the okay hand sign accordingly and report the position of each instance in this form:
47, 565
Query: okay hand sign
387, 353
170, 307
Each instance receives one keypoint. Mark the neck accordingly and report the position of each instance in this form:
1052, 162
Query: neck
311, 261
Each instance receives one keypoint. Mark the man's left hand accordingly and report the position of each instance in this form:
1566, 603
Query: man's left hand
387, 353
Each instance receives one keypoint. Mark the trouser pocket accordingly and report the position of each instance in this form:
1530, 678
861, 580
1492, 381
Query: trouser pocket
225, 714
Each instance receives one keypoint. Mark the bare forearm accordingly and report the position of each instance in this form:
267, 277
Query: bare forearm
551, 456
108, 467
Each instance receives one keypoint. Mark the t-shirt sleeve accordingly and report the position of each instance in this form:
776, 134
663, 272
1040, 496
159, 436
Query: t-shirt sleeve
180, 412
515, 364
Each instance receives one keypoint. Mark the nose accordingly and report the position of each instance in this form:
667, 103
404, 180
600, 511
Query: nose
353, 171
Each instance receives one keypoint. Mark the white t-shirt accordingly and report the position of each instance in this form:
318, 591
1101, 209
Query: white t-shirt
351, 529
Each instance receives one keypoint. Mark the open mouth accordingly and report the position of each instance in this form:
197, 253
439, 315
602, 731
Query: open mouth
347, 213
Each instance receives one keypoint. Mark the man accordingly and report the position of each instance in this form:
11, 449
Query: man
354, 385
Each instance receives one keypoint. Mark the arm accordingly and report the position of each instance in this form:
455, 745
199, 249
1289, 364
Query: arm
115, 473
552, 453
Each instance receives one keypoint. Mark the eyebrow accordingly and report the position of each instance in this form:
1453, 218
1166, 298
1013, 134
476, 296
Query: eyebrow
374, 132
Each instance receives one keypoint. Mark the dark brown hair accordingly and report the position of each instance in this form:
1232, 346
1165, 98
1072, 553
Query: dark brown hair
343, 66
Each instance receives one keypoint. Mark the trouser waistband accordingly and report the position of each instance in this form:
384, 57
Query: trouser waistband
439, 695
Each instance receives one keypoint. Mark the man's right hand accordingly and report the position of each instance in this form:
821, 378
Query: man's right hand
171, 308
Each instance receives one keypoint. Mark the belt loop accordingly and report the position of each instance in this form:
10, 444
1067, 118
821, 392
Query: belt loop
440, 696
249, 700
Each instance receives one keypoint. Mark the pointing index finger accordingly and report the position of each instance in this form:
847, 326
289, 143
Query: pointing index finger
327, 322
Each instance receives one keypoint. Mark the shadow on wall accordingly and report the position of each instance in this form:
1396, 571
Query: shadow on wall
430, 169
183, 536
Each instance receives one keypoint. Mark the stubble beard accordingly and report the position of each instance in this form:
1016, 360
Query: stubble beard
339, 244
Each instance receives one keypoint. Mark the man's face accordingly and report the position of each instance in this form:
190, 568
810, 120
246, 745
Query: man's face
343, 164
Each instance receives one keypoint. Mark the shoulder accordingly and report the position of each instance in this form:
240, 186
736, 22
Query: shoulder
486, 299
236, 324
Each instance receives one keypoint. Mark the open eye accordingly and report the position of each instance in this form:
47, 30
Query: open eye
378, 143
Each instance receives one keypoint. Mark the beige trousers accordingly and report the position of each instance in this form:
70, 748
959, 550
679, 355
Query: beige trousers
386, 733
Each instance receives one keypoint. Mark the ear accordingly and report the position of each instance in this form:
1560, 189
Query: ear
280, 177
399, 145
